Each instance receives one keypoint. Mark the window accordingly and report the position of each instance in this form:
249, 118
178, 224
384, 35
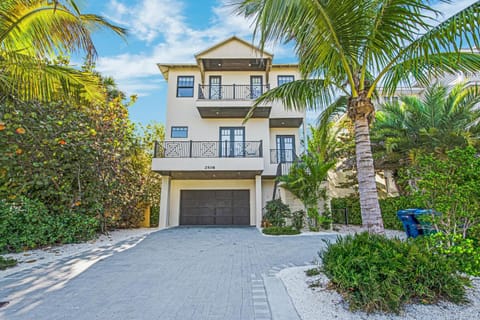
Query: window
232, 141
256, 86
284, 79
185, 86
179, 132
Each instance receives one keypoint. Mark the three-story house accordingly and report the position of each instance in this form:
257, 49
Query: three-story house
217, 169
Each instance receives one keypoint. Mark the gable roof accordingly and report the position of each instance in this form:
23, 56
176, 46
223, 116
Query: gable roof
232, 39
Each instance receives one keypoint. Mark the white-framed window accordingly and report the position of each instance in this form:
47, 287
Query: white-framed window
179, 132
285, 79
185, 86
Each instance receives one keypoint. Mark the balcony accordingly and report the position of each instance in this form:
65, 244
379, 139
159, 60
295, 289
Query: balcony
282, 156
208, 149
231, 92
209, 159
230, 101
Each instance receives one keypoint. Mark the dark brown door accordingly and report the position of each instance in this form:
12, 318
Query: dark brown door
215, 207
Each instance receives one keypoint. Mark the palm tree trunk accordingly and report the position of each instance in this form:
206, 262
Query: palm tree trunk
360, 110
370, 207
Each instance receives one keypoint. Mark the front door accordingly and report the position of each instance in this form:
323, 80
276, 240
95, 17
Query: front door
215, 87
232, 141
285, 148
256, 86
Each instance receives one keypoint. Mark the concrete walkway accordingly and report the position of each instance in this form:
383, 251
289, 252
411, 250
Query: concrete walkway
180, 273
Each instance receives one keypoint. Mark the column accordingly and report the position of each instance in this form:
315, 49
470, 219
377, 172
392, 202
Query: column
164, 202
258, 201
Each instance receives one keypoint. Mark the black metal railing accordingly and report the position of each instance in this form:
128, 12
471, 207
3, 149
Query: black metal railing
282, 155
208, 149
231, 92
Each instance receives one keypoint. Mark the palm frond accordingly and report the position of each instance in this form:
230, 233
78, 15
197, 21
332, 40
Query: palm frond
424, 71
297, 95
29, 79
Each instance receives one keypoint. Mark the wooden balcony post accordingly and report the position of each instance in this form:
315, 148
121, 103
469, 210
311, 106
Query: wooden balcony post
191, 144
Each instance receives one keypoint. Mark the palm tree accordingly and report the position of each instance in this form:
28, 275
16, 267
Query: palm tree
33, 33
352, 47
439, 121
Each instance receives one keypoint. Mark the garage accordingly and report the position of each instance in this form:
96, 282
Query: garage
215, 207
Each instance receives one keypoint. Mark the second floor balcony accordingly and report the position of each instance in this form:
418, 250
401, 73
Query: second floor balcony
208, 149
209, 159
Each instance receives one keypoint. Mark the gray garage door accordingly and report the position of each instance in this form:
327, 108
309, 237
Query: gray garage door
215, 207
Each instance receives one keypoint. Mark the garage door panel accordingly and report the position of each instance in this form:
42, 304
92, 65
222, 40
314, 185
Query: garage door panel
223, 203
197, 220
224, 221
222, 212
241, 221
242, 212
223, 194
215, 207
243, 203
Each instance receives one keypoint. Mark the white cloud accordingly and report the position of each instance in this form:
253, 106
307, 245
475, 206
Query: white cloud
162, 25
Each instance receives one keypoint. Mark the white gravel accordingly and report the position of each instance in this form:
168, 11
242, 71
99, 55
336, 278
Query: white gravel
31, 258
320, 303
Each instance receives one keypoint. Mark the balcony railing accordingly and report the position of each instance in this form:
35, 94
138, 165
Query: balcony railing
282, 155
231, 92
208, 149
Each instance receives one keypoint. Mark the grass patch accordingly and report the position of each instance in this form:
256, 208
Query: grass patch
277, 231
7, 263
376, 274
312, 272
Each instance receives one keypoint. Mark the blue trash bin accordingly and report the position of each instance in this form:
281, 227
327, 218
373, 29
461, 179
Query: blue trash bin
410, 223
413, 224
425, 226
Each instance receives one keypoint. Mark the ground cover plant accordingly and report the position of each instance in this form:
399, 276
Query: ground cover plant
277, 231
376, 274
6, 263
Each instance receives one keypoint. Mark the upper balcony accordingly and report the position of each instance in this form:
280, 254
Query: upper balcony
230, 101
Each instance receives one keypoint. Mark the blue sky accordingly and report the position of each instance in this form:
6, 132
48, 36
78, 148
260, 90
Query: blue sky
171, 31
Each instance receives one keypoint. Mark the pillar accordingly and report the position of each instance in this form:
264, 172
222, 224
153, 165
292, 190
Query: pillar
258, 201
164, 202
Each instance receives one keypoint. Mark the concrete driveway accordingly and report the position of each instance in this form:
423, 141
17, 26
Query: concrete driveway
180, 273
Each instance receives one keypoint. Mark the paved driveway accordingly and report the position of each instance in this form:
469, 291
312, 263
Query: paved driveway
180, 273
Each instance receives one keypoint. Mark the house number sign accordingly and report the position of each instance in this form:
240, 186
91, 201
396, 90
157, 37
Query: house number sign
209, 167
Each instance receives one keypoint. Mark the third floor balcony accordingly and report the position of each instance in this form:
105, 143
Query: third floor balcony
231, 101
231, 92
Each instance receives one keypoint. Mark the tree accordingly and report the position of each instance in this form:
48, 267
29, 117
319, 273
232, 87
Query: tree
305, 180
439, 121
351, 47
33, 33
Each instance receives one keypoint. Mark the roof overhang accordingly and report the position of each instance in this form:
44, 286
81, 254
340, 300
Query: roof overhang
286, 122
210, 175
232, 112
165, 68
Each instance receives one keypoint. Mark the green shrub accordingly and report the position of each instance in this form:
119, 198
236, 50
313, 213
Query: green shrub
276, 212
277, 231
27, 224
389, 207
312, 272
6, 263
450, 186
298, 218
376, 274
154, 216
464, 253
